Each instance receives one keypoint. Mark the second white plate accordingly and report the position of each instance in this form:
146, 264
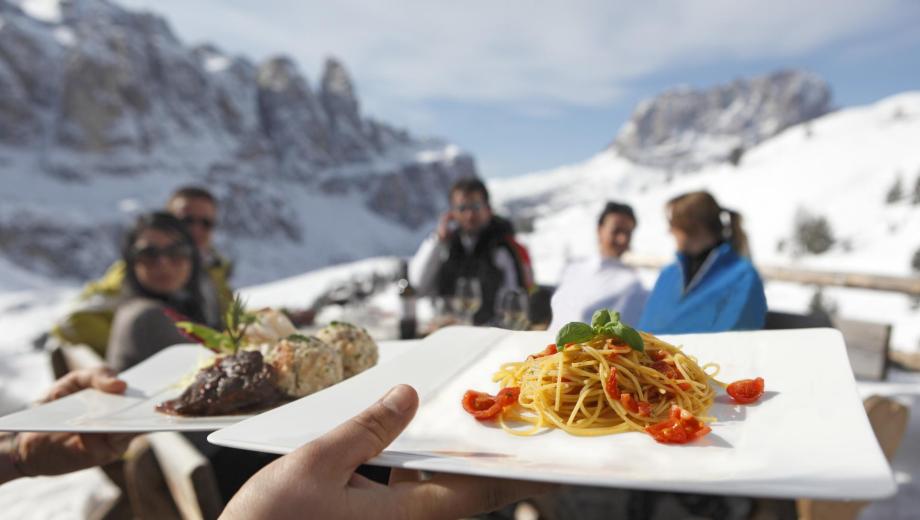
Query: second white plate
161, 377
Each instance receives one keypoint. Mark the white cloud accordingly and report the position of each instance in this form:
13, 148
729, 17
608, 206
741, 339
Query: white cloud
519, 52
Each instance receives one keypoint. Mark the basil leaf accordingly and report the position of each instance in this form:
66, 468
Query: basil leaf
202, 334
629, 335
600, 318
574, 332
607, 330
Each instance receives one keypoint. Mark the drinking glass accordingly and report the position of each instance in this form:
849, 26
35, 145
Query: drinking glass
467, 298
513, 309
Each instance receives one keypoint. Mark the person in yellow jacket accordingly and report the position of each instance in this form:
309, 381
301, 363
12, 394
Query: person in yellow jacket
90, 322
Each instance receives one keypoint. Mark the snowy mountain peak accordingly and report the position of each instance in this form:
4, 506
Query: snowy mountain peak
101, 104
337, 90
685, 128
280, 74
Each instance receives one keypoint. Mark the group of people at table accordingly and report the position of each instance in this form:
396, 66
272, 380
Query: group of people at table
169, 267
712, 286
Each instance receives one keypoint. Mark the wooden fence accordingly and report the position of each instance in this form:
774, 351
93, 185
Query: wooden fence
909, 285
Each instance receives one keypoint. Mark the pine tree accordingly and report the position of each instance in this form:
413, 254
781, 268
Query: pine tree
915, 265
895, 192
812, 233
822, 305
735, 156
915, 200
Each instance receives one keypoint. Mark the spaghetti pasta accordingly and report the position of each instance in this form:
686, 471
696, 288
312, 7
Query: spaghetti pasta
603, 386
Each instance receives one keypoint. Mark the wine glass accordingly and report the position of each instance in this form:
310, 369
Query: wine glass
467, 298
513, 309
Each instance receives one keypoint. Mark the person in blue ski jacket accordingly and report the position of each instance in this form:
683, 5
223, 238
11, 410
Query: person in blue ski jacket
712, 286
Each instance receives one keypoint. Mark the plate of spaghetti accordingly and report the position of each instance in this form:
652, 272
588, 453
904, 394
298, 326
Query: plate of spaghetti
607, 378
758, 413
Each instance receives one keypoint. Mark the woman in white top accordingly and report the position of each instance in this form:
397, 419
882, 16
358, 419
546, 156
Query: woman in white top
602, 281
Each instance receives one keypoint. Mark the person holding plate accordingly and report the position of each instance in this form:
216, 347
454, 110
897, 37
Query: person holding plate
317, 480
30, 454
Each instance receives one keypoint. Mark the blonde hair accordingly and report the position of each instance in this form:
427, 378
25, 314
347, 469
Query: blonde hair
697, 213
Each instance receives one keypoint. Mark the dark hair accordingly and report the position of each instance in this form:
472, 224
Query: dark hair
189, 302
470, 185
616, 208
192, 192
698, 212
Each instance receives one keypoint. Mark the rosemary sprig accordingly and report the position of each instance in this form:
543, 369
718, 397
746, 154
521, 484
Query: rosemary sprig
237, 322
229, 341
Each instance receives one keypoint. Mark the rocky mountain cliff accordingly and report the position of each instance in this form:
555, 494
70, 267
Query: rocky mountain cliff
685, 129
103, 111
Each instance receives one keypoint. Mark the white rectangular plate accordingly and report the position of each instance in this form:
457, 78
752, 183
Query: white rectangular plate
808, 437
161, 377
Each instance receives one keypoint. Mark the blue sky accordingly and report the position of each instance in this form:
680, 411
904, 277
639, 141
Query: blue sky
530, 85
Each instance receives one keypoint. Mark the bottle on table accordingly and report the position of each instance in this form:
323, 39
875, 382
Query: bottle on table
408, 325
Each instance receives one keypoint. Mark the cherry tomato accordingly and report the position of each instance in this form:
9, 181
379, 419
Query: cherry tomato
548, 351
611, 387
657, 355
667, 369
508, 396
667, 432
629, 403
746, 391
680, 427
484, 407
645, 409
670, 371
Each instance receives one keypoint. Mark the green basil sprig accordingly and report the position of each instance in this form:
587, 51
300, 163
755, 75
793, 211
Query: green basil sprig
574, 332
603, 323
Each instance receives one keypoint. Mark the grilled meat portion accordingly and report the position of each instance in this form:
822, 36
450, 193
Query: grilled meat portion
234, 384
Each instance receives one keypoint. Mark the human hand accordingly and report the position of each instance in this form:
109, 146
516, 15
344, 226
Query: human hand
318, 479
63, 452
444, 228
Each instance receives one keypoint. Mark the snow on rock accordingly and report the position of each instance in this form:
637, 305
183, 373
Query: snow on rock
99, 104
684, 129
44, 10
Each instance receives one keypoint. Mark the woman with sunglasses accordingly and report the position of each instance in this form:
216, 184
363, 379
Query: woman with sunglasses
162, 265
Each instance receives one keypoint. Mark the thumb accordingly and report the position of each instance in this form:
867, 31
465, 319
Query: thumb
108, 383
364, 436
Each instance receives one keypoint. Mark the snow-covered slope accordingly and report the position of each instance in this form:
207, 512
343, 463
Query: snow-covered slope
840, 166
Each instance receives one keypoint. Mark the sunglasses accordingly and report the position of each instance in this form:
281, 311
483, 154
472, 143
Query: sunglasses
474, 206
198, 221
150, 254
